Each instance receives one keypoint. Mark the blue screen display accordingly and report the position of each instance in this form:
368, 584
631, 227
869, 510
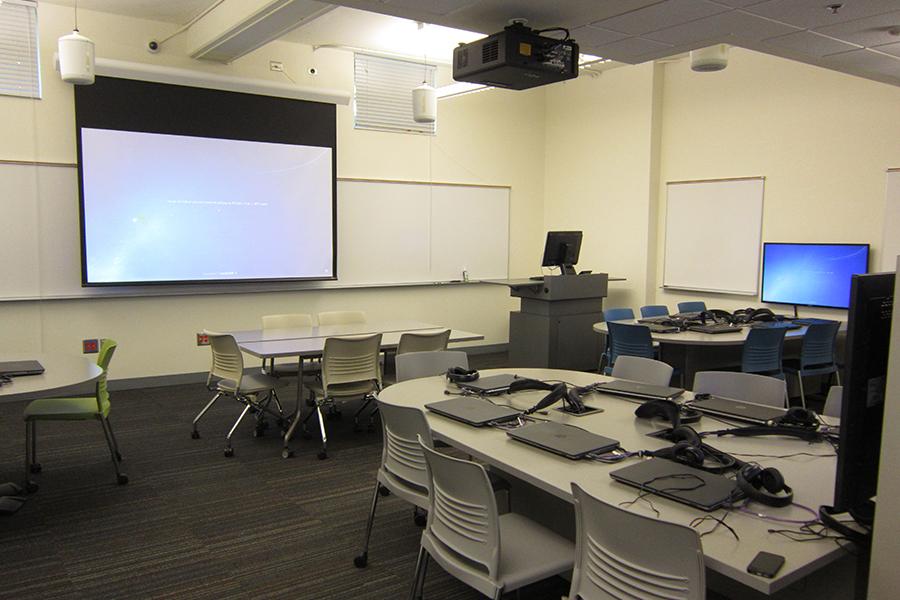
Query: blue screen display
811, 274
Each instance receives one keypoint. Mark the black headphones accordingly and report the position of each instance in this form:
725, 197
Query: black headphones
558, 391
798, 416
461, 375
765, 485
669, 411
690, 450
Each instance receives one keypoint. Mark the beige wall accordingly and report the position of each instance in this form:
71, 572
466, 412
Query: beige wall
495, 137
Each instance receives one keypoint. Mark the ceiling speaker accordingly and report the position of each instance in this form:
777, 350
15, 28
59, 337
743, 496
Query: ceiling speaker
76, 59
714, 58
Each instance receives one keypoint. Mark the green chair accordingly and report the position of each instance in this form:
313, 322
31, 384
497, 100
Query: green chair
74, 409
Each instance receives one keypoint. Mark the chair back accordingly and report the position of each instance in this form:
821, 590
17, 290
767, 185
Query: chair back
425, 364
629, 340
654, 310
617, 314
227, 361
287, 321
693, 306
351, 360
341, 317
818, 344
613, 559
463, 523
423, 342
402, 458
763, 351
107, 349
645, 370
746, 387
834, 401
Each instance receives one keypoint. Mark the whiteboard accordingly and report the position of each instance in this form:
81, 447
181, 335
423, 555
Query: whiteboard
389, 233
707, 248
890, 241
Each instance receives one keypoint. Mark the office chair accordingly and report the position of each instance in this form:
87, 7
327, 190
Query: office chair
746, 387
763, 351
834, 401
618, 314
350, 369
286, 321
628, 340
654, 310
467, 536
645, 370
413, 365
423, 342
256, 391
816, 355
696, 306
614, 560
341, 317
74, 409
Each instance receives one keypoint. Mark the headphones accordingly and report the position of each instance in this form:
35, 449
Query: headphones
797, 416
690, 450
668, 411
461, 375
765, 485
558, 391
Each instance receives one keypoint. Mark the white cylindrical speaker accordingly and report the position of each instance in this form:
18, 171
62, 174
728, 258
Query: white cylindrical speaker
714, 58
76, 59
424, 99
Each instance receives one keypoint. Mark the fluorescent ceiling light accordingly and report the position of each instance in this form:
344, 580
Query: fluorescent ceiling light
458, 88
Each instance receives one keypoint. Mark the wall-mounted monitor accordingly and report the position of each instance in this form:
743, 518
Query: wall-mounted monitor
811, 274
561, 250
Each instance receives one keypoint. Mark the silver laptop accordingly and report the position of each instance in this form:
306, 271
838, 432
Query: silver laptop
16, 368
679, 482
738, 410
477, 412
565, 440
488, 386
635, 389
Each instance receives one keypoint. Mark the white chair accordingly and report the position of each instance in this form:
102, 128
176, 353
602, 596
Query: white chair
746, 387
620, 554
285, 321
645, 370
402, 470
228, 368
341, 317
350, 369
423, 342
467, 537
834, 401
425, 364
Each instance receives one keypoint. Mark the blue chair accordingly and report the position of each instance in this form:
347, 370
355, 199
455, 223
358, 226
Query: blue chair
617, 314
763, 351
628, 340
816, 354
698, 306
654, 310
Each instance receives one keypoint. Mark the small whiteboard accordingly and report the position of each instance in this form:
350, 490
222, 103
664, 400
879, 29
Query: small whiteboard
890, 242
713, 235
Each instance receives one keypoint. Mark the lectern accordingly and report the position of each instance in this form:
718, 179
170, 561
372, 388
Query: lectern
554, 326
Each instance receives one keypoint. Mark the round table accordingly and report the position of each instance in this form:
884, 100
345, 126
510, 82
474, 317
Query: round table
60, 371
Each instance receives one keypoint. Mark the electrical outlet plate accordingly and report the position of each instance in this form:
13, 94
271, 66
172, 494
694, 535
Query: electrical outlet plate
90, 346
202, 339
276, 65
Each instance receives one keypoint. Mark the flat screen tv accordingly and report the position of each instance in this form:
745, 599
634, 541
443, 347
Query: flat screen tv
811, 274
561, 250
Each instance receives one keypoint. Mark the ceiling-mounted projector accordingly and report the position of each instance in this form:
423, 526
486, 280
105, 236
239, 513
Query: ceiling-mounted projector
517, 58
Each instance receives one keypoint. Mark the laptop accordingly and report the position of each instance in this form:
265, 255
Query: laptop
565, 440
477, 412
738, 410
679, 482
635, 389
489, 386
16, 368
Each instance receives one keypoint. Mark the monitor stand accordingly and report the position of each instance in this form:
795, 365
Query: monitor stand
567, 270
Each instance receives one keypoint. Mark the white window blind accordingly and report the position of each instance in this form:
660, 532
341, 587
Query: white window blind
19, 58
383, 93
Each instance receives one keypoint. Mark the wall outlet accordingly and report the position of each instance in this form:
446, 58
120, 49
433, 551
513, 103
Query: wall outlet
90, 346
276, 65
202, 339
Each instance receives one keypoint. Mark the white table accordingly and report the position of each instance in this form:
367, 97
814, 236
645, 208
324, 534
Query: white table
811, 477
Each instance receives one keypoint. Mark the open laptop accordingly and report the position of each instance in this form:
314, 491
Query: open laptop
16, 368
473, 411
738, 410
635, 389
565, 440
488, 386
679, 482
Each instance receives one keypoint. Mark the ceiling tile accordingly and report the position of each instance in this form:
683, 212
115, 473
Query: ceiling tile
738, 3
871, 31
732, 25
658, 16
595, 36
812, 14
810, 44
892, 49
630, 50
866, 61
435, 7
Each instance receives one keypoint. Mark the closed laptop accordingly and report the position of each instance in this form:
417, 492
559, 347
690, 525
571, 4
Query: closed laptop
477, 412
635, 389
493, 384
738, 410
16, 368
677, 481
565, 440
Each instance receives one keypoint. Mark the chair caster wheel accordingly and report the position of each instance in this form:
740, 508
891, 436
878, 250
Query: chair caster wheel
35, 468
118, 457
122, 479
361, 561
384, 492
420, 518
229, 452
287, 453
195, 435
322, 455
31, 486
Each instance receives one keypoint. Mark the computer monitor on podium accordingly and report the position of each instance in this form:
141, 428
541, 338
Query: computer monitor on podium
561, 250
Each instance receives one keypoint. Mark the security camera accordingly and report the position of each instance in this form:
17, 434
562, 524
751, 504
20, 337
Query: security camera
312, 71
153, 46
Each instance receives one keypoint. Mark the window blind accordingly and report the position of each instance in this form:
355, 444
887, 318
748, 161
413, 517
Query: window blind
19, 57
383, 93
